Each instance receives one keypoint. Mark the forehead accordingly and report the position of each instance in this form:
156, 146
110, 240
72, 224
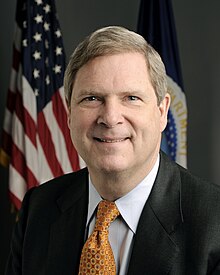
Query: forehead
134, 58
117, 68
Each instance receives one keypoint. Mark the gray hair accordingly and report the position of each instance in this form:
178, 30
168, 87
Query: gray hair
114, 40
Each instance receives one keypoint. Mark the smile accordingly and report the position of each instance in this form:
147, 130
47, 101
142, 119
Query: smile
110, 140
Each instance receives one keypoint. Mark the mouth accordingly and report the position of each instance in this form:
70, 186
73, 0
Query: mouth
110, 140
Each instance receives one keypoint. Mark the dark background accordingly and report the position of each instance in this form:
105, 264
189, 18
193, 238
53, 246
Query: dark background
197, 25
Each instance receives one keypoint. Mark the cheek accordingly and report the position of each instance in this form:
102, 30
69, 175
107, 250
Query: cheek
76, 117
158, 121
150, 125
80, 123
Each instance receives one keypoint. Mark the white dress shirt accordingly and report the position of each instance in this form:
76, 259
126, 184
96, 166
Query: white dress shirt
123, 229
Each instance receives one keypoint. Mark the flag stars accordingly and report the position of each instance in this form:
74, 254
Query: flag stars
25, 24
38, 18
58, 51
37, 37
47, 61
46, 44
36, 92
36, 73
24, 43
46, 26
37, 55
57, 69
47, 80
39, 2
58, 33
47, 8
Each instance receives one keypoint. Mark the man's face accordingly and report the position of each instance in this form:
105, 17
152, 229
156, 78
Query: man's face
114, 118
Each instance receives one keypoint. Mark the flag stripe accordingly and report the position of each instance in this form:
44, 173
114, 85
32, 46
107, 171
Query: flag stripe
11, 100
14, 199
35, 133
7, 126
29, 99
50, 152
43, 165
19, 164
25, 119
18, 186
23, 143
57, 136
58, 109
13, 80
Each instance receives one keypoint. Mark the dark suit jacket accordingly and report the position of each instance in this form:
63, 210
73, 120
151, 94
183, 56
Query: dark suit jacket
178, 231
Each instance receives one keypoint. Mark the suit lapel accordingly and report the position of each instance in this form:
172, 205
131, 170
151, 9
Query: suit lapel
67, 232
154, 250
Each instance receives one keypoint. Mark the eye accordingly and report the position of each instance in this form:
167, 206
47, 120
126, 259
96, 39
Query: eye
91, 101
133, 98
91, 98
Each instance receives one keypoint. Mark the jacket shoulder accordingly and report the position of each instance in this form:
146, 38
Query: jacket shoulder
70, 186
194, 190
65, 181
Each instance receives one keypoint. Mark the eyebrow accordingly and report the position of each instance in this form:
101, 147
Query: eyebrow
85, 93
89, 92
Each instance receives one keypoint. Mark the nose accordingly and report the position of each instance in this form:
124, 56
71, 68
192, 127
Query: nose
110, 114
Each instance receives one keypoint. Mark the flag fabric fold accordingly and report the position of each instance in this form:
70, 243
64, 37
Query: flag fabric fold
36, 143
156, 24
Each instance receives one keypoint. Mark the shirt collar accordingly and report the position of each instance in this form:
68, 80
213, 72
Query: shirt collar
131, 205
94, 199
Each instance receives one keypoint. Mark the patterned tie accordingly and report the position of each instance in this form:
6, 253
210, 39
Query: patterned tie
97, 256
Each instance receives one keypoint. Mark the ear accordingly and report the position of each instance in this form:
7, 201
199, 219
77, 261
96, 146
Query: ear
164, 107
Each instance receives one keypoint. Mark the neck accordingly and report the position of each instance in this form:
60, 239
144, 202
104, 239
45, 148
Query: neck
114, 185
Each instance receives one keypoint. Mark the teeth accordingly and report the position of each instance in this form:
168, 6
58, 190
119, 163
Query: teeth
111, 141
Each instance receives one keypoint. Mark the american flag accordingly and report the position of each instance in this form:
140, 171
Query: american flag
36, 141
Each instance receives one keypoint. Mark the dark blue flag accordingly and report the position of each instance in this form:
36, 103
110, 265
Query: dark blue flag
156, 25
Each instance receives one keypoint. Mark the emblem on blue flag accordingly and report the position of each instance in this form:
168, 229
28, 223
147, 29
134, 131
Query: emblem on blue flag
156, 25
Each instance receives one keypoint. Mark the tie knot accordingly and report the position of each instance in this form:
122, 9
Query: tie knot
107, 213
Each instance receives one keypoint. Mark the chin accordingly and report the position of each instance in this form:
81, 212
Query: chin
111, 167
108, 164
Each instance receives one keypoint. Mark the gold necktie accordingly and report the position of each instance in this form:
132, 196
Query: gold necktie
97, 256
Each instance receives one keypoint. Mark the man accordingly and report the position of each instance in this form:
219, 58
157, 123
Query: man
167, 221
